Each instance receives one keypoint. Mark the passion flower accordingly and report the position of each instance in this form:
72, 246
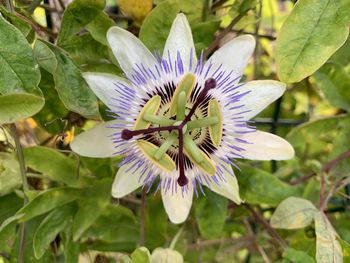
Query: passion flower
180, 119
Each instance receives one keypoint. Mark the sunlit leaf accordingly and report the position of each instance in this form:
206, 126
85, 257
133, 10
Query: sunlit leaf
311, 34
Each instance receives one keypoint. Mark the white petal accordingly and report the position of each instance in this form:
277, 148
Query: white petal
180, 39
126, 181
177, 204
229, 187
128, 50
234, 55
263, 93
265, 146
104, 86
95, 142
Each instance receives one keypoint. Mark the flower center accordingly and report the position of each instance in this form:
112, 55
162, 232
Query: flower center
177, 128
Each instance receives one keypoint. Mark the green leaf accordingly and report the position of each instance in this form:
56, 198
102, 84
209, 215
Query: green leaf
260, 187
20, 96
155, 216
85, 49
156, 26
45, 57
23, 26
204, 33
17, 106
334, 82
211, 213
63, 169
71, 86
342, 56
98, 27
50, 227
311, 34
91, 208
315, 135
9, 204
297, 256
141, 255
346, 250
293, 213
122, 230
52, 115
19, 72
71, 248
48, 200
328, 249
77, 15
29, 256
10, 177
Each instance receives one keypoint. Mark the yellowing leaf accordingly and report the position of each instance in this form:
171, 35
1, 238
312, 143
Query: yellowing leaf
293, 213
328, 249
136, 9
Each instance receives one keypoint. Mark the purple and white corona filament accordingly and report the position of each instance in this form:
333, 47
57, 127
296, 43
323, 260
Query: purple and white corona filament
179, 121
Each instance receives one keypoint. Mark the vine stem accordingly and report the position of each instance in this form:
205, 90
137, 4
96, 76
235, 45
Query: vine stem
142, 217
221, 35
25, 187
9, 6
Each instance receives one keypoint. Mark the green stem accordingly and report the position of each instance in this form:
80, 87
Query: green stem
176, 238
25, 187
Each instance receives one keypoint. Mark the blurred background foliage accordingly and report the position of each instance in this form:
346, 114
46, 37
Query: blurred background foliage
56, 206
